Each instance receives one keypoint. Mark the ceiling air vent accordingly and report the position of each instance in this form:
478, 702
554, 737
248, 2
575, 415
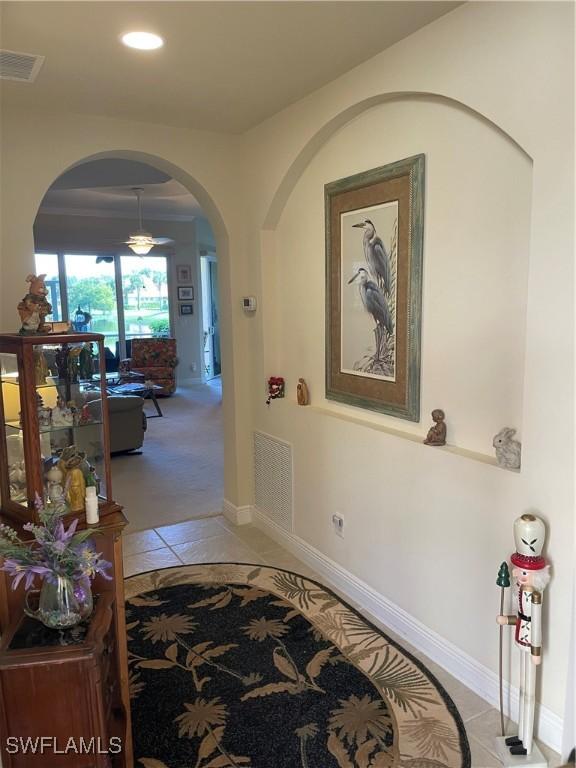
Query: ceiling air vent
19, 66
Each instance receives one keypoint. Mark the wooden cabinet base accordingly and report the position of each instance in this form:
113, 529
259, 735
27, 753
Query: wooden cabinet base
68, 706
61, 704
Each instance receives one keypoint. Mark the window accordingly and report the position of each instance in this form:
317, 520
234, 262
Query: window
47, 264
122, 297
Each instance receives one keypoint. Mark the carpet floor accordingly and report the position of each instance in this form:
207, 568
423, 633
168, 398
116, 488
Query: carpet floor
248, 666
179, 474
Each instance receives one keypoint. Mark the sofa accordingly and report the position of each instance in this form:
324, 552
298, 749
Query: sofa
156, 360
127, 421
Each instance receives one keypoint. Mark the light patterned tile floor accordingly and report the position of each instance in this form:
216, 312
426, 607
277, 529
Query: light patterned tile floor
215, 539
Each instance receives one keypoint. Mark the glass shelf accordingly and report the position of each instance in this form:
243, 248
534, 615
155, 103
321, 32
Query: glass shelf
83, 384
53, 427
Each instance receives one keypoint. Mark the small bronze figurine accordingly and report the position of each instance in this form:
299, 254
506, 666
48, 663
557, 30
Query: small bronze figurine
41, 369
437, 433
302, 393
86, 362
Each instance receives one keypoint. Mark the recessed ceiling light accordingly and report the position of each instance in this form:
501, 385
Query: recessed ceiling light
144, 41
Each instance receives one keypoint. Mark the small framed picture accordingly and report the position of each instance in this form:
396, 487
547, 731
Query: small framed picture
186, 309
183, 273
185, 293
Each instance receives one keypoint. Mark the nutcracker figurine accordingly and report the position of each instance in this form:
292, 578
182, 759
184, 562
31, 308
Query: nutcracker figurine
530, 575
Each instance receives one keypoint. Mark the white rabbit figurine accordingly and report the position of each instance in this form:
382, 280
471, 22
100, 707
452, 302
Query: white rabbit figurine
507, 449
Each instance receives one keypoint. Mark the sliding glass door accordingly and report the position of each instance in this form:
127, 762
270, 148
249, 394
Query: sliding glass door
145, 296
91, 292
123, 297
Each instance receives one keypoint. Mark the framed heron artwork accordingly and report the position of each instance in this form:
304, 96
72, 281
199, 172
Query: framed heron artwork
374, 236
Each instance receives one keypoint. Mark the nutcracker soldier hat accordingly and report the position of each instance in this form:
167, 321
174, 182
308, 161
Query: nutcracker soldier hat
529, 536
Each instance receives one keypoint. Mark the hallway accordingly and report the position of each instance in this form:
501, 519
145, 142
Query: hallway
179, 474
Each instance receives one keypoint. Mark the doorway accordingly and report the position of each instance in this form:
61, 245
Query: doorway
84, 233
210, 317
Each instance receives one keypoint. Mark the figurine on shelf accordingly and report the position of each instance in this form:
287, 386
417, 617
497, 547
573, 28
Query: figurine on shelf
73, 364
75, 482
86, 361
41, 369
275, 388
29, 312
302, 393
35, 306
85, 415
437, 432
61, 358
75, 411
508, 450
62, 415
44, 417
17, 479
530, 574
55, 478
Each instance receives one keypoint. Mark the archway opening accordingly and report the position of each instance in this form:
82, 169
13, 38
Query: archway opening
122, 242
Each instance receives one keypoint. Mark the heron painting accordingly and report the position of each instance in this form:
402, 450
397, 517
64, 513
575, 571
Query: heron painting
374, 250
369, 256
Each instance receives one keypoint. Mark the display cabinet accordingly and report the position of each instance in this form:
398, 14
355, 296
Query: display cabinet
52, 417
54, 442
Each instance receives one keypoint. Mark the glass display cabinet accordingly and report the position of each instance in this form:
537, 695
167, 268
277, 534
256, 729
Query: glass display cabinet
53, 422
54, 442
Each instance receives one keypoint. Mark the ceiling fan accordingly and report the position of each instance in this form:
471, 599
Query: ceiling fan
142, 242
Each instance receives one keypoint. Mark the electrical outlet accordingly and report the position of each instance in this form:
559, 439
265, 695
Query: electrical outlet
338, 523
193, 367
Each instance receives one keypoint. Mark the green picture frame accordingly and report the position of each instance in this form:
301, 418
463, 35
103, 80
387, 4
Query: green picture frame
374, 259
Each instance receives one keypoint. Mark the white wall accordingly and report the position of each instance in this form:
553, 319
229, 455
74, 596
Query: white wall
427, 528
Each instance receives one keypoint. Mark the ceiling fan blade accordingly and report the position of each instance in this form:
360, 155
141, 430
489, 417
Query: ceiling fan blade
162, 240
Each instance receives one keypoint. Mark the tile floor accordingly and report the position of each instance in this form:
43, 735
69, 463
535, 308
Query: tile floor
214, 539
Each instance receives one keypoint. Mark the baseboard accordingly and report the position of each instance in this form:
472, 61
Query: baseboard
237, 515
459, 664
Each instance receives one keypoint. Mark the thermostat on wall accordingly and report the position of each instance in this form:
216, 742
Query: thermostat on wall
249, 303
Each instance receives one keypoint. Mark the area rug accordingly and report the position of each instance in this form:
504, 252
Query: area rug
244, 666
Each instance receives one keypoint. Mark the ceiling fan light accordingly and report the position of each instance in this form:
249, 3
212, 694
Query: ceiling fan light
141, 249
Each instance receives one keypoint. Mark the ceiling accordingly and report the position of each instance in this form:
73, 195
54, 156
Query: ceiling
103, 188
226, 66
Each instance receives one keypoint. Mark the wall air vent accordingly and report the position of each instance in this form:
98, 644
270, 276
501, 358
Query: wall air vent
273, 479
22, 67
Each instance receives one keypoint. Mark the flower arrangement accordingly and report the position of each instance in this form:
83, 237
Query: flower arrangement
53, 552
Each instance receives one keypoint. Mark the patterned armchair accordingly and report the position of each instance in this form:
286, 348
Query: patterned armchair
156, 360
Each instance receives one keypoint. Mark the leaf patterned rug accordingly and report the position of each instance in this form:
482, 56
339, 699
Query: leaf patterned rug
244, 666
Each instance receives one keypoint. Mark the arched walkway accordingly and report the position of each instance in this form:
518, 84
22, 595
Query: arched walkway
326, 131
221, 236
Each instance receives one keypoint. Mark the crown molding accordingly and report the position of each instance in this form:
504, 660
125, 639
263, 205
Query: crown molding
106, 213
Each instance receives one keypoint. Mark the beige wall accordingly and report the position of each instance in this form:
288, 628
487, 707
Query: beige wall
426, 528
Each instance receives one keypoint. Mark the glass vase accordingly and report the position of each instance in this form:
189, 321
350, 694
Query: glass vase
62, 603
83, 595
